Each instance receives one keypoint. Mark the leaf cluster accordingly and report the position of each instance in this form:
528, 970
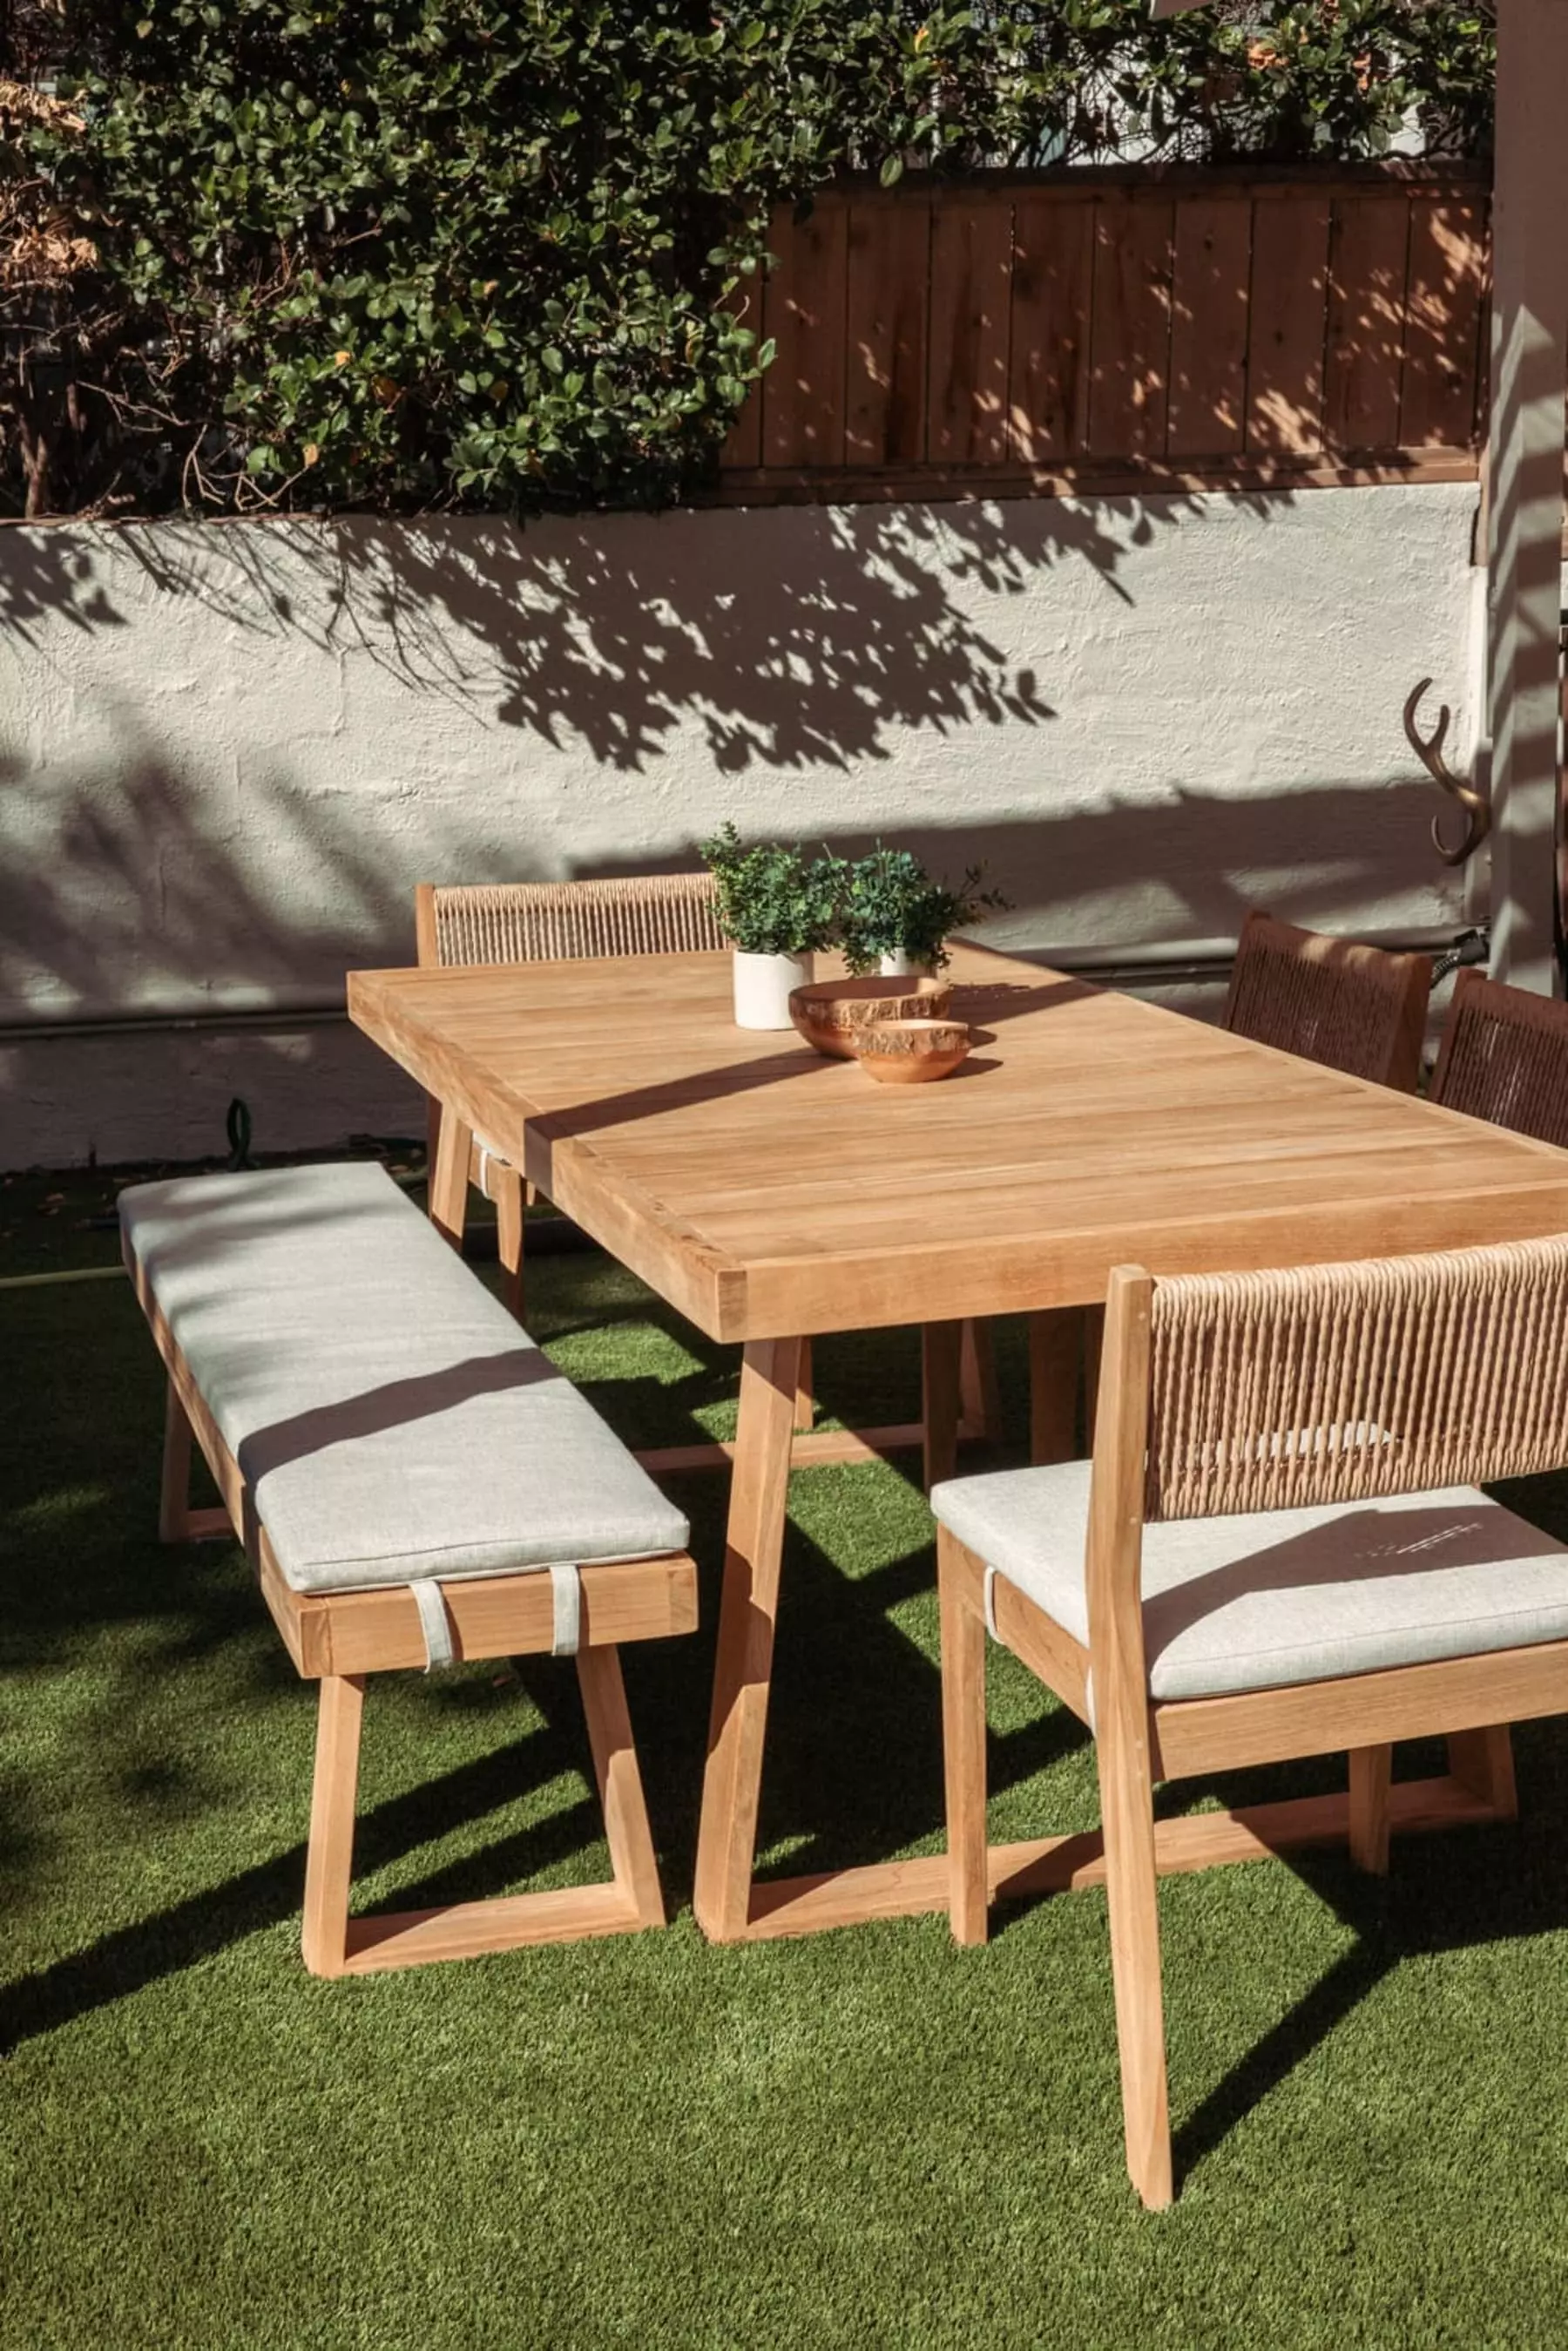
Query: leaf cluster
504, 254
891, 906
773, 899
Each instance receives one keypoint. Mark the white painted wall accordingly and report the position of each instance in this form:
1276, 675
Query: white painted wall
227, 753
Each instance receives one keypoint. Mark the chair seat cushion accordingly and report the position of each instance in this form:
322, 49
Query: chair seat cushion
1277, 1596
390, 1417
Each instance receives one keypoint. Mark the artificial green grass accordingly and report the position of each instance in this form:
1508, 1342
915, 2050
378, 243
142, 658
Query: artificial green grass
866, 2138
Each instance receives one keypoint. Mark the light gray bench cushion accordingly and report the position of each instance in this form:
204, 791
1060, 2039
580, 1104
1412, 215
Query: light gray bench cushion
389, 1416
1277, 1596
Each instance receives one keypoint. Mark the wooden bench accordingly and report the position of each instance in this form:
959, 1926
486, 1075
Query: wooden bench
413, 1482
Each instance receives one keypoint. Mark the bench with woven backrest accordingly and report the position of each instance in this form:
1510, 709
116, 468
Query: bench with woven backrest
414, 1483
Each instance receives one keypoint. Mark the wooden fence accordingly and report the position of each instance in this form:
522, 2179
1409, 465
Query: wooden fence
1098, 327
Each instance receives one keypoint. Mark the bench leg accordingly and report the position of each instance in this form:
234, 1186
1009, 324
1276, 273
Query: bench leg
980, 1389
330, 1862
620, 1783
1483, 1760
174, 1495
509, 1238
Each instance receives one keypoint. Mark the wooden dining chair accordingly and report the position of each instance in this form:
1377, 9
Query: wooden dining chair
550, 921
1504, 1058
1279, 1549
1352, 1007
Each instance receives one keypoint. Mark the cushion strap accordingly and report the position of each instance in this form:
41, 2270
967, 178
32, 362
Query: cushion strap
430, 1601
991, 1603
566, 1591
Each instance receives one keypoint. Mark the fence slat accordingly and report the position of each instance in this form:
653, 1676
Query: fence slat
802, 392
1130, 328
1369, 262
1446, 283
1208, 327
972, 276
887, 333
1290, 327
1048, 377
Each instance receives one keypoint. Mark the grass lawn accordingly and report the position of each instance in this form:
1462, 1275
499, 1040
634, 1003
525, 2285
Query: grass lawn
870, 2138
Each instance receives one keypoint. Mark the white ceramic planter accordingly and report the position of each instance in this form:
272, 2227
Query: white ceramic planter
902, 965
763, 985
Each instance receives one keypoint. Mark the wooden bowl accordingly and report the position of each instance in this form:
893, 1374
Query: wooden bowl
912, 1052
829, 1011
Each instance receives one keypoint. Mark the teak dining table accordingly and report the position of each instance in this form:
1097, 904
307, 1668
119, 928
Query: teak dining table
771, 1196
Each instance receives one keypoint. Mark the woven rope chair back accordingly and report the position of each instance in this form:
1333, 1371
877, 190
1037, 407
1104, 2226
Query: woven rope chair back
1504, 1058
540, 922
1339, 1383
1348, 1007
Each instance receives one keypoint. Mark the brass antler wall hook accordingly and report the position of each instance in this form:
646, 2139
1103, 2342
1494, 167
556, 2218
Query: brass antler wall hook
1429, 751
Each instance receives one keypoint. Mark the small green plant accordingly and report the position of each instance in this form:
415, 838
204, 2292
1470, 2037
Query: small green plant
773, 900
892, 906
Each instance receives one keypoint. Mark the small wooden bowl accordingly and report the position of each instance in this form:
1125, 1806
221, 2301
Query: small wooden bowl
912, 1052
829, 1011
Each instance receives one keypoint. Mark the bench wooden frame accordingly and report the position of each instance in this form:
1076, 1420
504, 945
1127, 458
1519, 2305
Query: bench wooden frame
340, 1637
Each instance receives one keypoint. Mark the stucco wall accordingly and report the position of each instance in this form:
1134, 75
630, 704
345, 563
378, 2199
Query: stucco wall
228, 754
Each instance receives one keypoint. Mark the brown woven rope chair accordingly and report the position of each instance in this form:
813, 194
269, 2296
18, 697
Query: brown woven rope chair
1279, 1549
1352, 1007
1504, 1058
539, 922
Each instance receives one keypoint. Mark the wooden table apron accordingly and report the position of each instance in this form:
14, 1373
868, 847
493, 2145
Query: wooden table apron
770, 1194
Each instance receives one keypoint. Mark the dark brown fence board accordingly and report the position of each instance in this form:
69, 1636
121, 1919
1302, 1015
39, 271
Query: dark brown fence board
1027, 332
887, 331
1130, 328
1052, 279
1446, 290
1369, 252
1209, 325
802, 392
971, 283
1290, 327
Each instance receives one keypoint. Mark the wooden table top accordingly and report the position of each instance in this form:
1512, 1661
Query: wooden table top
766, 1191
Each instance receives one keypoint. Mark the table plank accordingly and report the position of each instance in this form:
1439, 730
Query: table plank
767, 1192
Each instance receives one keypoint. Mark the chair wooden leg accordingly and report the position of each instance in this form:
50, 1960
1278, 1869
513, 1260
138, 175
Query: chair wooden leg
627, 1830
1483, 1759
449, 1178
1126, 1807
942, 1343
174, 1493
509, 1237
806, 1398
963, 1743
1055, 1362
329, 1860
980, 1390
1371, 1774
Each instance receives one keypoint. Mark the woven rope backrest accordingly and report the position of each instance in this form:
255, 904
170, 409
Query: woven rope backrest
1348, 1007
1335, 1383
1504, 1058
545, 922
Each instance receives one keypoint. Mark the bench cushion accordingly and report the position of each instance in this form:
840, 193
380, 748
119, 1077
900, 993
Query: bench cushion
1256, 1600
390, 1417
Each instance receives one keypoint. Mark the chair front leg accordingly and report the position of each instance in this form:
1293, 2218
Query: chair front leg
963, 1738
1126, 1811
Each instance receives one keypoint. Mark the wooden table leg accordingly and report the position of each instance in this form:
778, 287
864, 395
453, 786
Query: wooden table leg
1055, 1361
742, 1671
941, 1352
448, 1180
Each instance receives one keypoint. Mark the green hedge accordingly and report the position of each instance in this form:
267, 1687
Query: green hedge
403, 253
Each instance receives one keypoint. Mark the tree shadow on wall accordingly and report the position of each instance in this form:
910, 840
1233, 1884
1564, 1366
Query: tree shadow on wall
798, 637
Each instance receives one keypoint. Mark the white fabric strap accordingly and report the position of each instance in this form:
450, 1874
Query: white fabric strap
485, 1171
430, 1601
991, 1603
566, 1589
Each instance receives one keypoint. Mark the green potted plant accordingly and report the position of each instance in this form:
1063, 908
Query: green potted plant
777, 908
897, 919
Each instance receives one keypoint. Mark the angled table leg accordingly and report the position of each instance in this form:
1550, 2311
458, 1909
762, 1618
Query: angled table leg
742, 1671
